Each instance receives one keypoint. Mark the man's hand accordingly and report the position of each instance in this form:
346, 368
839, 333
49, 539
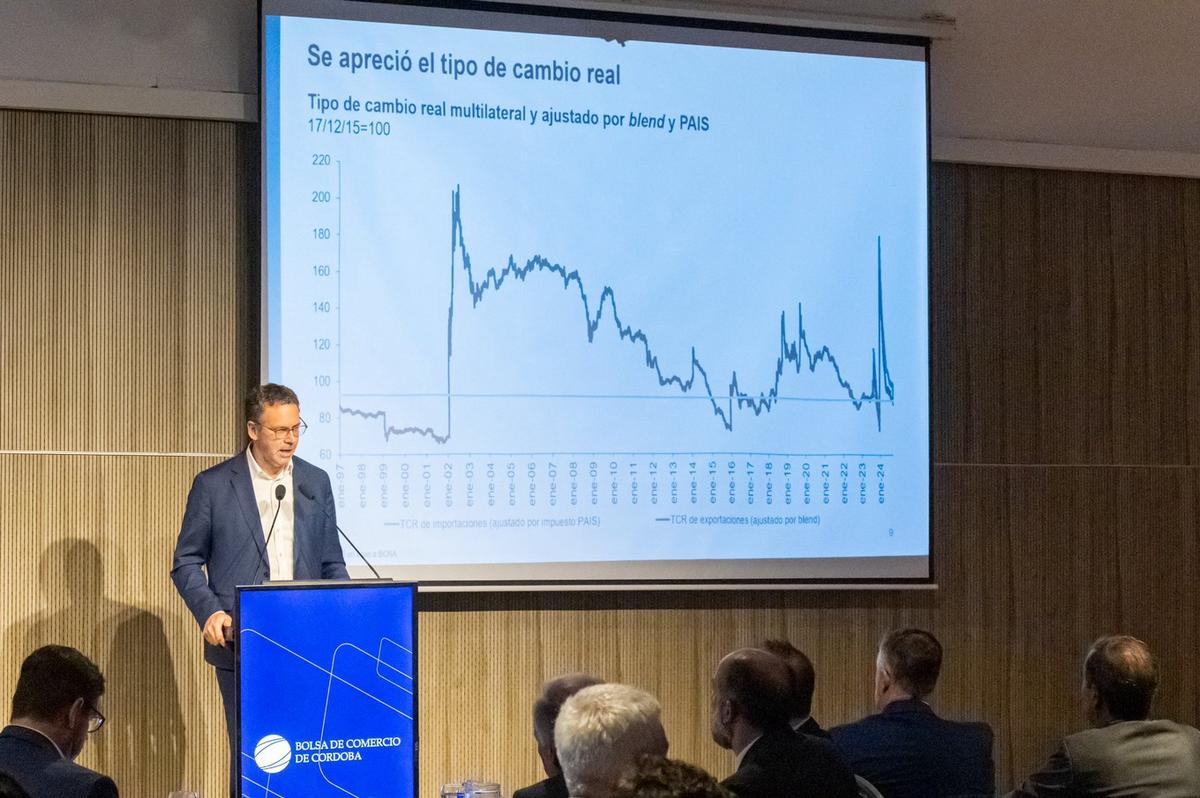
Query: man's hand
215, 626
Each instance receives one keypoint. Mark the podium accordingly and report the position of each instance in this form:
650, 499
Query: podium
327, 689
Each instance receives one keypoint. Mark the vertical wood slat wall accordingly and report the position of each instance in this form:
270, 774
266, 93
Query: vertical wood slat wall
1065, 337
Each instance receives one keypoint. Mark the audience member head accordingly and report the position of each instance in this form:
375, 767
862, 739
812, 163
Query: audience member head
804, 677
600, 732
58, 693
273, 425
1119, 679
907, 666
659, 777
545, 712
752, 692
9, 787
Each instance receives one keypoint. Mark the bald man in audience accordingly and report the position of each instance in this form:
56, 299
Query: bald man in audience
601, 732
905, 750
1124, 753
804, 682
545, 713
752, 691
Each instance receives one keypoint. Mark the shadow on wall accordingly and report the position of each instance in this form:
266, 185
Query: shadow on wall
142, 743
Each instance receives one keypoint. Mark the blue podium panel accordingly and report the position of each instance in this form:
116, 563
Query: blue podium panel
327, 690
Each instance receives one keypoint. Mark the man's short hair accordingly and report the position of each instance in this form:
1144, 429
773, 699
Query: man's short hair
51, 679
1124, 675
804, 676
268, 394
659, 777
548, 704
600, 732
914, 659
759, 684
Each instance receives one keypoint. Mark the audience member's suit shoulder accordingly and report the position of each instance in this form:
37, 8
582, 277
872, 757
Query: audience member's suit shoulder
70, 779
42, 773
553, 787
907, 751
1150, 751
785, 764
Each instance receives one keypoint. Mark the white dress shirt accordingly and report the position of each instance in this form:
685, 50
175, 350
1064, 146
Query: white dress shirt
281, 548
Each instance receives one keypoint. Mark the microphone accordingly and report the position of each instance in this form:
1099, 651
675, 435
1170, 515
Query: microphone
304, 492
280, 492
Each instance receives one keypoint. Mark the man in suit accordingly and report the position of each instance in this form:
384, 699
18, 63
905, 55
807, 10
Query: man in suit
601, 733
804, 682
54, 709
750, 710
1123, 753
906, 750
545, 713
262, 514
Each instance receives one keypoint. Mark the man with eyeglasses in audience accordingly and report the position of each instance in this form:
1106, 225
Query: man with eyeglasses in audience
54, 709
264, 514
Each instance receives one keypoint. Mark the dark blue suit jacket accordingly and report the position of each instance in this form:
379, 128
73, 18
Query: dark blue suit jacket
222, 535
784, 764
34, 763
907, 751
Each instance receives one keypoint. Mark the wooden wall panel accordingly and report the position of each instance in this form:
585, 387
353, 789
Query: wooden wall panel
86, 543
124, 271
1065, 327
1065, 330
123, 280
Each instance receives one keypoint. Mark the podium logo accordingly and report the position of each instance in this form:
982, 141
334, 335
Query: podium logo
273, 753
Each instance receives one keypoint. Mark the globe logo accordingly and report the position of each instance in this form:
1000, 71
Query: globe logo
273, 753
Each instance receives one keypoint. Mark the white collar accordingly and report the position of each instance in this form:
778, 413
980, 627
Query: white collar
39, 731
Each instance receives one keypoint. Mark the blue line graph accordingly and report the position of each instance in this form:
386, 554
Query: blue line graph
795, 353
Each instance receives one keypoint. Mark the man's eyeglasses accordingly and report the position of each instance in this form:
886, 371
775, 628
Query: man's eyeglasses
283, 432
95, 719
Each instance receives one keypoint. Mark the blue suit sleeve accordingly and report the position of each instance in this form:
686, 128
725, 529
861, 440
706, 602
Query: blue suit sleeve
333, 562
192, 551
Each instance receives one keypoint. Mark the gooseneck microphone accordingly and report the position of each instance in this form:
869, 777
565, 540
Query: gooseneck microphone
304, 492
280, 492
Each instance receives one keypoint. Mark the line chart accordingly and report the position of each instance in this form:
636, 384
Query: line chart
796, 352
